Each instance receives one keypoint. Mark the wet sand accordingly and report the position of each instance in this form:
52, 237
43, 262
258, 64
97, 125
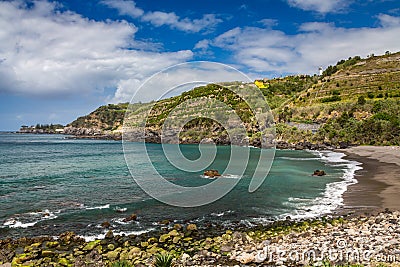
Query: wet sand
378, 184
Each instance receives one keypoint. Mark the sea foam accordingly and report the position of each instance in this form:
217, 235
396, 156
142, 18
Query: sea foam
332, 197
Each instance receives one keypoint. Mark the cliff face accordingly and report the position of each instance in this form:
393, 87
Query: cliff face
357, 101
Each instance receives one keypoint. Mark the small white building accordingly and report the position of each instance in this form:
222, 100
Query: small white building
320, 71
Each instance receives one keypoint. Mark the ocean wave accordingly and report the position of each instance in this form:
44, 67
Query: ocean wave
107, 206
29, 219
300, 200
227, 176
121, 221
332, 197
297, 159
220, 214
93, 237
119, 209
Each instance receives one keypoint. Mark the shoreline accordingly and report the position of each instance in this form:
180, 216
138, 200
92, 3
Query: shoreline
378, 184
358, 218
371, 240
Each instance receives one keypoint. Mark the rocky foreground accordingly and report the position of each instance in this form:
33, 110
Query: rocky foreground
364, 240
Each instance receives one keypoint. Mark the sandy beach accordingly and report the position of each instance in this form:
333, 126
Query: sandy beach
378, 184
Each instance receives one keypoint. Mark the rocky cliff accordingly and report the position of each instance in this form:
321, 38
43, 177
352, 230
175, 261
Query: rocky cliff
357, 101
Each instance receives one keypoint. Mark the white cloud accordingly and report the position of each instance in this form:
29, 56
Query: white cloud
269, 23
315, 26
182, 77
324, 6
203, 45
125, 7
389, 21
45, 52
159, 18
315, 44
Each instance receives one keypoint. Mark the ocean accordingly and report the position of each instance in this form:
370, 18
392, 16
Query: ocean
50, 184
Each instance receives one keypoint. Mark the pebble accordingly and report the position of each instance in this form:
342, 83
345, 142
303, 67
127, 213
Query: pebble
379, 234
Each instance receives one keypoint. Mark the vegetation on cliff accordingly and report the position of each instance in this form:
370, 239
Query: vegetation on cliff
355, 101
193, 112
107, 118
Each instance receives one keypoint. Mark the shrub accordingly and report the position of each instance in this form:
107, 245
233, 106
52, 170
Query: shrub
331, 99
163, 260
121, 264
361, 100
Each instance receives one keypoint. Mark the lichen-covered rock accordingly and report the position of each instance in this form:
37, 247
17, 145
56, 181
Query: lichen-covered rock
64, 262
52, 244
112, 255
91, 245
174, 233
134, 252
21, 258
176, 239
152, 240
163, 238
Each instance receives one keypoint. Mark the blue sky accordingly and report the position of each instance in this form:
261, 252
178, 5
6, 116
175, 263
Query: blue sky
62, 59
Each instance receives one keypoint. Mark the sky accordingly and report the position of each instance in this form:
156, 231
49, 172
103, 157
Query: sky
62, 59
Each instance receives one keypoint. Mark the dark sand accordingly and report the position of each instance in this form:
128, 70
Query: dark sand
378, 184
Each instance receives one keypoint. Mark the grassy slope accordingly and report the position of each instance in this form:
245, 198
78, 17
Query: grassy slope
356, 101
107, 118
200, 108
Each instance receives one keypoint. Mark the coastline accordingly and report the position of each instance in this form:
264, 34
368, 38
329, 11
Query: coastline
377, 188
378, 184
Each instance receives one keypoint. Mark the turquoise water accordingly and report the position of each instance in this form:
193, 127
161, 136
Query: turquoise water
50, 184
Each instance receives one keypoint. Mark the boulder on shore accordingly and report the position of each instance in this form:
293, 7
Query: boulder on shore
212, 173
319, 173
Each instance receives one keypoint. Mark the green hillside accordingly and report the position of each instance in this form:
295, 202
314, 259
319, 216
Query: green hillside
106, 118
197, 104
356, 101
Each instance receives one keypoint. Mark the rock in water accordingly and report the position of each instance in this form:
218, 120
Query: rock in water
105, 224
319, 173
133, 217
212, 173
